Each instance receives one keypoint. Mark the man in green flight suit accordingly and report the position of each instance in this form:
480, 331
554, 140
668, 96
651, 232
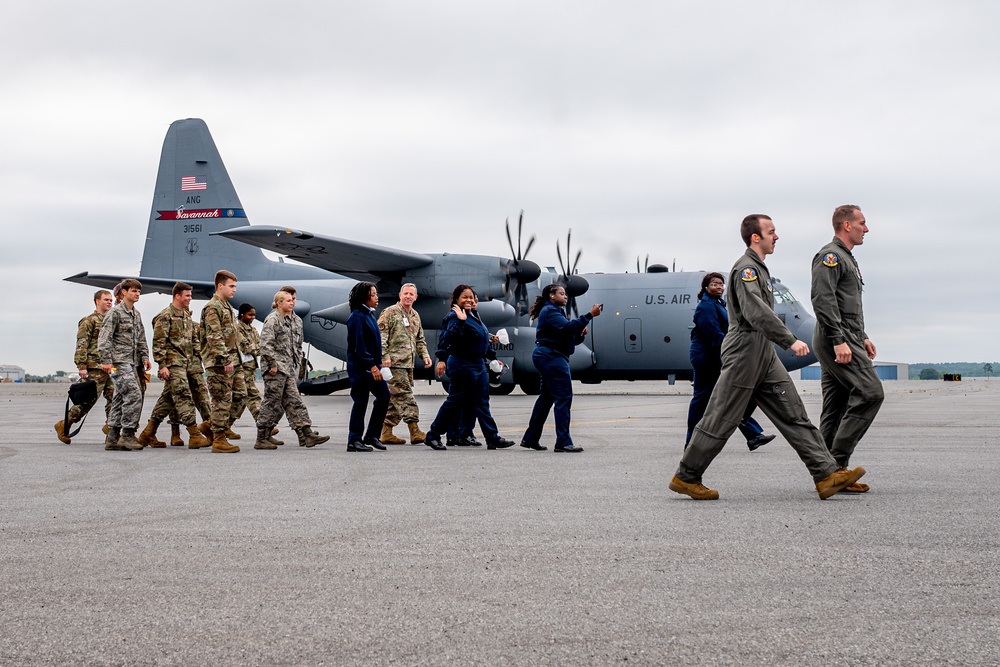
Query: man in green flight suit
852, 391
751, 370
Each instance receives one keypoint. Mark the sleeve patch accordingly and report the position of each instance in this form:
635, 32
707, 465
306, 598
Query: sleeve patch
830, 259
748, 275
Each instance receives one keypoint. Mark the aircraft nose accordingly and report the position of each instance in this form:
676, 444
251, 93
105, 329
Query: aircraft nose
804, 332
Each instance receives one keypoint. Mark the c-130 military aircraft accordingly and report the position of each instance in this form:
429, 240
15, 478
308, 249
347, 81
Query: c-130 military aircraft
197, 226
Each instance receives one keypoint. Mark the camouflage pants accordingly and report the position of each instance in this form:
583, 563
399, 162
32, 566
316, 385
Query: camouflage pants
253, 394
281, 395
199, 394
104, 386
229, 394
402, 406
175, 398
127, 402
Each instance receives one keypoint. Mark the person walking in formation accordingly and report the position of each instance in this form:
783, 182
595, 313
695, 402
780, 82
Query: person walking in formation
556, 336
88, 365
280, 355
751, 371
249, 351
199, 388
711, 322
852, 391
402, 340
174, 343
364, 355
122, 351
220, 354
462, 350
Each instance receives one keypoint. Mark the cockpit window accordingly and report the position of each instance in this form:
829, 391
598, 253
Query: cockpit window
782, 295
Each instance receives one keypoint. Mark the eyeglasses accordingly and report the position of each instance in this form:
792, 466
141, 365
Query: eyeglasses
716, 284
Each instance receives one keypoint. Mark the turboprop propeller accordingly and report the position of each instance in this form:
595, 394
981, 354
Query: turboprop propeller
520, 269
574, 284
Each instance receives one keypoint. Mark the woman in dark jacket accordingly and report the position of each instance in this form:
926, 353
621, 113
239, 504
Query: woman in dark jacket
462, 349
711, 321
556, 336
364, 360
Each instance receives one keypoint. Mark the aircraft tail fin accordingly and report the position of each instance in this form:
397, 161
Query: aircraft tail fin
195, 197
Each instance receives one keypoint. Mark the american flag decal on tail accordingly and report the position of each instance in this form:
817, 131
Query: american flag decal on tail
193, 183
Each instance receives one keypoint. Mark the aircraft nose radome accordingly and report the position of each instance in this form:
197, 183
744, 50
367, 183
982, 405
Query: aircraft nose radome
805, 333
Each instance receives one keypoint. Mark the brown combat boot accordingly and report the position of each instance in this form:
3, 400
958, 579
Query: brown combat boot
387, 437
274, 441
838, 481
696, 491
128, 441
221, 446
264, 439
274, 431
206, 429
104, 429
309, 438
175, 436
112, 442
231, 434
148, 436
195, 439
417, 436
62, 434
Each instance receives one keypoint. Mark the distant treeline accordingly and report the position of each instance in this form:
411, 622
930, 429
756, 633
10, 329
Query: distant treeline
966, 369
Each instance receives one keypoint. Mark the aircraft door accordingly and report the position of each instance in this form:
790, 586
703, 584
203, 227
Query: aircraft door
633, 334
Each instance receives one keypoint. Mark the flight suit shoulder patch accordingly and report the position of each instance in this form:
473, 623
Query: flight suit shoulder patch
748, 275
830, 259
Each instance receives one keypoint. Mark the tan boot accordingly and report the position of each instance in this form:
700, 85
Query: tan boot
206, 429
264, 440
231, 434
104, 429
128, 440
221, 446
696, 491
148, 436
175, 436
838, 481
309, 438
274, 431
388, 438
61, 434
195, 439
416, 435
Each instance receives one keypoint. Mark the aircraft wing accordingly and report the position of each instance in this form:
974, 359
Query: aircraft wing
353, 259
200, 288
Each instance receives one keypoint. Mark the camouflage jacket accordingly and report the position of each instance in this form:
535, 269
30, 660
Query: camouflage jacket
174, 337
123, 338
87, 333
402, 336
278, 347
249, 345
220, 345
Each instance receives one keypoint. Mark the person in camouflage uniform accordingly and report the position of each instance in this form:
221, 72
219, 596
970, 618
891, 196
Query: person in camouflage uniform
280, 354
249, 351
852, 391
402, 339
173, 345
88, 364
123, 353
220, 354
199, 388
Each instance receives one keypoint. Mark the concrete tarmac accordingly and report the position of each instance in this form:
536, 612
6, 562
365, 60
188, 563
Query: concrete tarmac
473, 557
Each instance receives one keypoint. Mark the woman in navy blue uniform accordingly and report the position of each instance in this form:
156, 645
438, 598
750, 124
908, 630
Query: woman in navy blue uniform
556, 336
364, 359
462, 348
711, 321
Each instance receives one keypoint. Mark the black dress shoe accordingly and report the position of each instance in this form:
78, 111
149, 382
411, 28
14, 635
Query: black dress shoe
374, 442
470, 441
571, 449
433, 440
502, 443
759, 441
537, 447
358, 446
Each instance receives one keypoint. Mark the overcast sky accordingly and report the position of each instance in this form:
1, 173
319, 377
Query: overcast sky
646, 127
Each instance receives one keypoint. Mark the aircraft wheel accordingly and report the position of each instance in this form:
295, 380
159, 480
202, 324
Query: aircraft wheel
530, 384
501, 389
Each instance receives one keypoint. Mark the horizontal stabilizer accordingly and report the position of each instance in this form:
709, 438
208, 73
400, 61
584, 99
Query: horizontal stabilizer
348, 258
201, 289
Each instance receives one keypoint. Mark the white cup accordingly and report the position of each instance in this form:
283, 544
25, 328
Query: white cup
386, 373
502, 335
495, 365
